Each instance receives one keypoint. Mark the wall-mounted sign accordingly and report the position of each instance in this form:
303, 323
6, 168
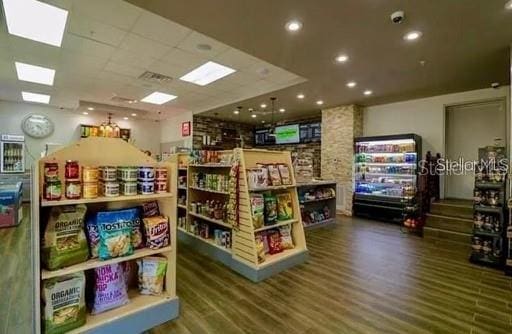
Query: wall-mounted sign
185, 129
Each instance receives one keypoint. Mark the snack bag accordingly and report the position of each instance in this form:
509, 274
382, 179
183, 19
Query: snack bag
151, 275
275, 177
274, 242
258, 209
150, 209
63, 300
109, 288
157, 232
286, 237
270, 209
284, 171
260, 248
64, 241
115, 229
284, 206
93, 236
136, 235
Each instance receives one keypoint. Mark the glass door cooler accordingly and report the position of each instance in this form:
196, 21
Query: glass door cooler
386, 176
12, 154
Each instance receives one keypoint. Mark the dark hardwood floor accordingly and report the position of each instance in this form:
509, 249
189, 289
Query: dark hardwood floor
362, 277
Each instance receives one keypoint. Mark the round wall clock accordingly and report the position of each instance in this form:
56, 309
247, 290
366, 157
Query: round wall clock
37, 126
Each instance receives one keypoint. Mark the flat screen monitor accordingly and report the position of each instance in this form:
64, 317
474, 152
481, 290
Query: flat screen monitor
287, 134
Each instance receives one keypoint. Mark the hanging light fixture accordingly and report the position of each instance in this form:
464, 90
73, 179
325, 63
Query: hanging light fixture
272, 131
110, 129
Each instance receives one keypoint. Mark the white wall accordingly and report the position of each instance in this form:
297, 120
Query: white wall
171, 132
146, 134
424, 117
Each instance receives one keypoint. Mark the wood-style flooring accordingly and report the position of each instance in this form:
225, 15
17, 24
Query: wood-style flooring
362, 277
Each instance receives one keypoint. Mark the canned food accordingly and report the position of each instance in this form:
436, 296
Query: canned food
90, 190
53, 191
108, 173
146, 188
73, 189
51, 171
110, 189
161, 174
90, 174
128, 188
161, 186
127, 174
72, 170
146, 174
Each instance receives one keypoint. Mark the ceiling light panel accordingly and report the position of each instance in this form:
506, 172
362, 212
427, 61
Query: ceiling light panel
36, 74
35, 20
158, 98
34, 97
207, 73
293, 25
351, 84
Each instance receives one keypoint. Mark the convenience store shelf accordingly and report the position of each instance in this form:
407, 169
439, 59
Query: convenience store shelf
387, 163
211, 220
316, 200
325, 222
209, 242
213, 165
281, 223
102, 199
182, 206
270, 188
209, 190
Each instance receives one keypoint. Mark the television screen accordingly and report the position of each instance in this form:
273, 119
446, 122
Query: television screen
310, 132
287, 134
262, 137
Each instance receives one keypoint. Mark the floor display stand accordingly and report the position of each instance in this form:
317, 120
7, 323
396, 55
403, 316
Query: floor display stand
317, 203
143, 311
241, 252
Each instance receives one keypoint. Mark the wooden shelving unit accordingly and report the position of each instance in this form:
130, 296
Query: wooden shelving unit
181, 160
317, 204
143, 312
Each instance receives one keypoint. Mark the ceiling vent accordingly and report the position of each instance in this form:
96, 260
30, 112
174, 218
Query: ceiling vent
119, 99
155, 77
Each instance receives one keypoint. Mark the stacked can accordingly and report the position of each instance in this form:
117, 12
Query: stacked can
146, 183
109, 187
90, 177
127, 177
161, 180
72, 176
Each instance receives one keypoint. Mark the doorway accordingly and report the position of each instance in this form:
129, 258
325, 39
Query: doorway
469, 127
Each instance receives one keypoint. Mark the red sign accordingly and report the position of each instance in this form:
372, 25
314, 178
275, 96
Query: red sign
185, 129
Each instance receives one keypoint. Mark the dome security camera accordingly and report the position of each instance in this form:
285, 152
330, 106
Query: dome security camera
398, 17
495, 85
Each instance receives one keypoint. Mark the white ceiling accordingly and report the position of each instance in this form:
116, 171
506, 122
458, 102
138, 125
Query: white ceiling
109, 44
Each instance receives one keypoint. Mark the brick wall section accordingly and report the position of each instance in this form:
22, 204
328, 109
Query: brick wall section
213, 127
339, 127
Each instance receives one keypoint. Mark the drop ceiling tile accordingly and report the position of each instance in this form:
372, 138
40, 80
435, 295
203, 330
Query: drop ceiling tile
89, 28
184, 58
117, 13
75, 62
28, 51
192, 41
7, 70
64, 4
110, 78
159, 29
127, 70
86, 46
235, 59
128, 58
243, 78
165, 68
144, 47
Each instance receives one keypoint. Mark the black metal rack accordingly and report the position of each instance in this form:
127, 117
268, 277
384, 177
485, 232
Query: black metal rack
386, 176
489, 227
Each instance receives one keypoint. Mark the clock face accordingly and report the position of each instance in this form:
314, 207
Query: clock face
37, 126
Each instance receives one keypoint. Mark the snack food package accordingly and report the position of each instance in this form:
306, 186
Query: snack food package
150, 209
109, 288
136, 235
258, 177
274, 242
115, 229
260, 248
286, 237
64, 241
275, 177
152, 271
258, 209
284, 206
157, 232
63, 300
284, 171
270, 209
93, 236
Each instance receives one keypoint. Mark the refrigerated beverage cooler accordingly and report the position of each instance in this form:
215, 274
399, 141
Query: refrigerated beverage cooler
386, 176
12, 150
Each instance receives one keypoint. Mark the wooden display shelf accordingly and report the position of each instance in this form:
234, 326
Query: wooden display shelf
316, 200
138, 303
272, 259
270, 188
209, 190
95, 263
182, 188
325, 222
278, 224
212, 165
207, 241
101, 199
211, 220
182, 206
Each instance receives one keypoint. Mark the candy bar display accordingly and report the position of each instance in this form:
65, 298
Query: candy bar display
209, 181
214, 209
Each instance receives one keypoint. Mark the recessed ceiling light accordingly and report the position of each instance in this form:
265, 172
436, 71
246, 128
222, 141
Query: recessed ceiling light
263, 105
207, 73
368, 92
412, 35
34, 97
36, 74
351, 84
341, 58
236, 112
293, 25
300, 96
282, 110
134, 115
508, 5
35, 20
158, 98
85, 113
319, 102
263, 122
90, 108
125, 118
254, 116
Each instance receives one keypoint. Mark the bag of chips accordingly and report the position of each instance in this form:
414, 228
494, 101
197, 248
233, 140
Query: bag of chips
284, 171
286, 237
93, 236
150, 209
63, 301
152, 272
64, 241
270, 209
274, 242
136, 236
115, 229
109, 288
275, 177
284, 206
258, 209
157, 232
260, 248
